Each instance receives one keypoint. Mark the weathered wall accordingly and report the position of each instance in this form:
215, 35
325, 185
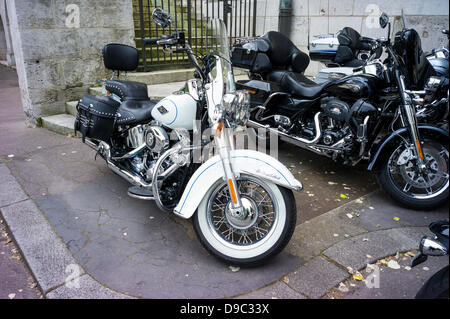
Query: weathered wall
6, 50
58, 51
312, 17
2, 41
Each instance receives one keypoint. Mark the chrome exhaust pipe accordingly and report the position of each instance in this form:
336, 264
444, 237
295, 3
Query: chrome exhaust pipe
105, 150
290, 138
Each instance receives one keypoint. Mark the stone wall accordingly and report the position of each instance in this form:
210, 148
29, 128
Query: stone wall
57, 46
3, 48
313, 17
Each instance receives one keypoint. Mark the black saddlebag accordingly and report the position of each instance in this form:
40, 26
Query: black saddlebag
96, 117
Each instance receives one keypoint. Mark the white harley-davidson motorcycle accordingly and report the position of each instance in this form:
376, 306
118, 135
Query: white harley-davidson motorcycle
241, 201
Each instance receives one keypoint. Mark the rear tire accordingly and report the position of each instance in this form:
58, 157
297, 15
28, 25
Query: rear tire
436, 287
253, 253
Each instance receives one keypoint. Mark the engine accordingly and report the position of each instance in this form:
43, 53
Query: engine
149, 142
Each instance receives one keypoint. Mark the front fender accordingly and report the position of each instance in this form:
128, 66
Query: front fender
394, 136
243, 162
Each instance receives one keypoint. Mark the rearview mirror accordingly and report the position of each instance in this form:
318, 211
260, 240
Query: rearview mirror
161, 18
384, 20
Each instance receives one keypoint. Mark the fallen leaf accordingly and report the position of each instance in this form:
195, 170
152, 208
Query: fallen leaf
286, 279
7, 241
393, 264
342, 287
343, 196
358, 277
234, 268
396, 219
383, 261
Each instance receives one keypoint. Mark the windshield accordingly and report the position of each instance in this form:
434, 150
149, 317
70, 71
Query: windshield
217, 44
399, 24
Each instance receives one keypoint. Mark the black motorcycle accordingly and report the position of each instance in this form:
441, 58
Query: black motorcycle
369, 116
437, 285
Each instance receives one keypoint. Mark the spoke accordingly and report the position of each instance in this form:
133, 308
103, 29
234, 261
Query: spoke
260, 231
407, 187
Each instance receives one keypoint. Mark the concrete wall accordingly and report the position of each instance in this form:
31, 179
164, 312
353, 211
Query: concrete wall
6, 49
2, 41
57, 46
312, 17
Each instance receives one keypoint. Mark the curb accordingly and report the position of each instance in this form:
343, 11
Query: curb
325, 268
56, 271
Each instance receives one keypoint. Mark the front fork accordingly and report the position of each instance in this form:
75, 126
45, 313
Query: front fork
408, 115
225, 143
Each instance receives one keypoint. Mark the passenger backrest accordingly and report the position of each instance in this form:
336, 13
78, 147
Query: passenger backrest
284, 55
120, 57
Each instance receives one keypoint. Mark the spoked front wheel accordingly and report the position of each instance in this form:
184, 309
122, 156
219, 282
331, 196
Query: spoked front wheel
262, 231
414, 187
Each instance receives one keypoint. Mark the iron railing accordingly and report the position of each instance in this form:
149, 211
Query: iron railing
191, 17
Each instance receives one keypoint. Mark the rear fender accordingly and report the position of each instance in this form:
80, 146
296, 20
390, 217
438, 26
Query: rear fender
248, 162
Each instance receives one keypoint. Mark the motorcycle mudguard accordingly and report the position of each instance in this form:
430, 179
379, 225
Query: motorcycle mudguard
388, 140
243, 162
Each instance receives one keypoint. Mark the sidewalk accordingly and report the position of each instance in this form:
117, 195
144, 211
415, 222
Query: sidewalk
71, 218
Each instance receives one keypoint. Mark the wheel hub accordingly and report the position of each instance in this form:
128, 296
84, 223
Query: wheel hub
421, 178
244, 218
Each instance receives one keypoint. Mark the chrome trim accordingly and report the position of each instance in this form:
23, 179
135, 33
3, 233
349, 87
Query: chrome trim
290, 137
140, 197
431, 247
104, 149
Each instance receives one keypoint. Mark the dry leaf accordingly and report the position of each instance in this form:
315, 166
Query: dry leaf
286, 279
358, 276
234, 268
393, 264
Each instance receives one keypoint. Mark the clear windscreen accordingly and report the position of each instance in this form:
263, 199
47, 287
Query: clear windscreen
217, 44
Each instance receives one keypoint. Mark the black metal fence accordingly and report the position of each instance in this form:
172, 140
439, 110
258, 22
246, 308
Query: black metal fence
191, 17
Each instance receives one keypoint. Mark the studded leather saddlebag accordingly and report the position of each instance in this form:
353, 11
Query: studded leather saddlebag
96, 117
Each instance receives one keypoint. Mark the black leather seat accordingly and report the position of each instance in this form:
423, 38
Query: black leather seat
127, 90
132, 112
288, 67
297, 84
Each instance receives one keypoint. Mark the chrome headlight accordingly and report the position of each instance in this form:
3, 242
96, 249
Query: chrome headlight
236, 106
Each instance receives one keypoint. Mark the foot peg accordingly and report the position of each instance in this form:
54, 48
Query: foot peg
140, 193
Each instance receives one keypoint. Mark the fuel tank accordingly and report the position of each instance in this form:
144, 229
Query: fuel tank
176, 111
354, 86
440, 65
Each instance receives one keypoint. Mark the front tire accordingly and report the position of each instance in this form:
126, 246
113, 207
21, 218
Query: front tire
258, 237
409, 187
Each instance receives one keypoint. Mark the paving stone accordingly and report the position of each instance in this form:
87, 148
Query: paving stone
278, 290
10, 190
85, 287
353, 252
316, 277
46, 255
